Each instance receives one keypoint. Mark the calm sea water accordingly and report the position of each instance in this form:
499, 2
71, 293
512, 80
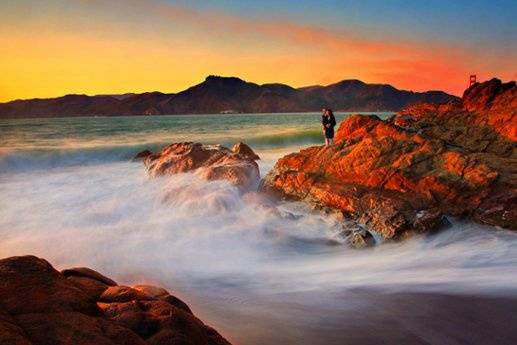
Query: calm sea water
260, 272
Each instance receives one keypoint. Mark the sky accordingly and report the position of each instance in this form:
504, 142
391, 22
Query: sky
56, 47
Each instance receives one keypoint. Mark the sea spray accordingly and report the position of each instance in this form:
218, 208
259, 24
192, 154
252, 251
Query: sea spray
115, 218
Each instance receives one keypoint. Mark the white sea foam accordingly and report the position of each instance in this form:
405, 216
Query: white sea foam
180, 228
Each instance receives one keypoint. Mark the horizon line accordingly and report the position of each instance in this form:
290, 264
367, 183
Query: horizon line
108, 94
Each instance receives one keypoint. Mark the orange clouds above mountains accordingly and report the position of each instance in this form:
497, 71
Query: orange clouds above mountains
133, 46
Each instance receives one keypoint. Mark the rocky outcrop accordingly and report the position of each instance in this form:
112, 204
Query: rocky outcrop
39, 305
211, 162
402, 175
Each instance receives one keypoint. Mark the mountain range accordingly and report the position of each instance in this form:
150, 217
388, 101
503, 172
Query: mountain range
228, 95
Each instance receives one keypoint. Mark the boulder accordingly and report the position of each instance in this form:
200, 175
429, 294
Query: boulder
64, 328
142, 155
245, 151
401, 176
122, 294
88, 280
211, 162
159, 322
161, 293
31, 285
39, 305
10, 332
88, 273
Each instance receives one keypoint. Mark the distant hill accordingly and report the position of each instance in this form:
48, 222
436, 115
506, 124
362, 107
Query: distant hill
226, 95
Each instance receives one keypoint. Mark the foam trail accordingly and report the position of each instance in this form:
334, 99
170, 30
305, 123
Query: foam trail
114, 218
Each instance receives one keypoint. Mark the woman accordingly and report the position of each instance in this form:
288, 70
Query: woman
329, 122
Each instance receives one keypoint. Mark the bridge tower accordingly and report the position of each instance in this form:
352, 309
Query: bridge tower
472, 80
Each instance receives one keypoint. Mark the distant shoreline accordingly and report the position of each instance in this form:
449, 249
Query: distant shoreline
337, 112
229, 95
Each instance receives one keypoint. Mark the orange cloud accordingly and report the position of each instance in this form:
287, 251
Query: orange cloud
94, 55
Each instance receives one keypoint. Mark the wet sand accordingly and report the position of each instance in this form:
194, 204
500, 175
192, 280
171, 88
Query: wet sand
366, 317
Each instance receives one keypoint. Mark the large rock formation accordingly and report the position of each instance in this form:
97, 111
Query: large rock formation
402, 175
39, 305
212, 162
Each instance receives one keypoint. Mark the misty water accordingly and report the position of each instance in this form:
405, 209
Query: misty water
260, 271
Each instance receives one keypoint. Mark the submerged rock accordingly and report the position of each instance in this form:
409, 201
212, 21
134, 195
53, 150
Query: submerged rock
357, 237
212, 162
39, 305
401, 176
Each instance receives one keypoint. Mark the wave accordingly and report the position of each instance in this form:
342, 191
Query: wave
288, 138
29, 159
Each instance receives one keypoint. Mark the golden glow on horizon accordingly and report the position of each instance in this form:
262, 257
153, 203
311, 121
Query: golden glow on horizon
52, 60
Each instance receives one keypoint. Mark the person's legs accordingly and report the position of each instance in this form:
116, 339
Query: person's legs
326, 141
331, 141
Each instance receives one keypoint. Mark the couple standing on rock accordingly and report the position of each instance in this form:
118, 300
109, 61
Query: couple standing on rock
329, 122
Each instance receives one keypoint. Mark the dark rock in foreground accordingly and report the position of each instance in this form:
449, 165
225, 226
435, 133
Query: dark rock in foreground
211, 162
403, 175
39, 305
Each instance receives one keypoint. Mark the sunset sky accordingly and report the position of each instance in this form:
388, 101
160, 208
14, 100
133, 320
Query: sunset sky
55, 47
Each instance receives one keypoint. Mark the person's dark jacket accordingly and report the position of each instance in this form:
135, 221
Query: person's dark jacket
329, 131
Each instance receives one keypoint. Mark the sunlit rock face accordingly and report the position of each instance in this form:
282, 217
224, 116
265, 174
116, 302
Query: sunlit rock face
80, 306
212, 162
402, 175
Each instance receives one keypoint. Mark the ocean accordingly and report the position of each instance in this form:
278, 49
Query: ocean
260, 272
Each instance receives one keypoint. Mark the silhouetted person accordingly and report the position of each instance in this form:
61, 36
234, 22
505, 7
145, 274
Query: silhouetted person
329, 122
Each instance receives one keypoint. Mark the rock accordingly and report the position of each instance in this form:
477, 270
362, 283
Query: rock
91, 282
39, 305
31, 285
92, 287
10, 332
211, 162
130, 315
122, 294
161, 293
399, 180
160, 322
245, 151
65, 328
88, 273
142, 155
357, 237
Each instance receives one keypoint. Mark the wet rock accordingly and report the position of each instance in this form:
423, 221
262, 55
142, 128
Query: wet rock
162, 294
10, 332
31, 285
122, 294
39, 305
211, 162
245, 151
91, 282
357, 237
403, 175
65, 328
142, 155
92, 287
88, 273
